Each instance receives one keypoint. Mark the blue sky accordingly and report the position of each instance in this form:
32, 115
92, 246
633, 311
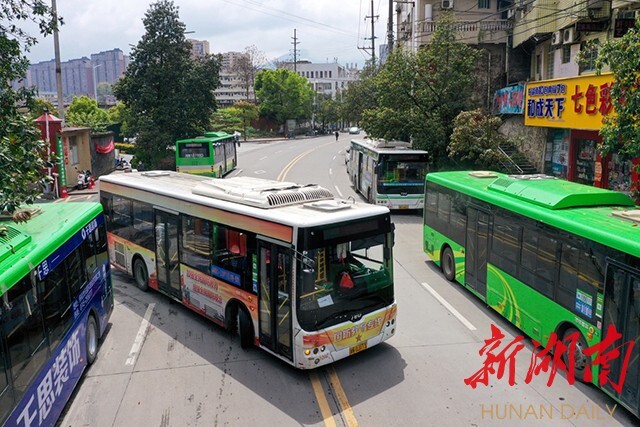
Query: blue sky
326, 29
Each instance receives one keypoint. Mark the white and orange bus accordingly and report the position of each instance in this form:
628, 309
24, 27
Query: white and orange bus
291, 269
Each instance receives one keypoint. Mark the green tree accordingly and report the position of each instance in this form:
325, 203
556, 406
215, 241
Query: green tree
284, 95
21, 146
39, 106
419, 95
247, 112
327, 110
119, 113
169, 95
226, 120
475, 139
621, 131
84, 112
359, 96
103, 90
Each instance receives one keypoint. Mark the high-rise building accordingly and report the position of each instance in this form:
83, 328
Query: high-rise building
108, 66
199, 48
232, 89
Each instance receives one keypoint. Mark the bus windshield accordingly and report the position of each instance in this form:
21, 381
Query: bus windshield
401, 174
344, 281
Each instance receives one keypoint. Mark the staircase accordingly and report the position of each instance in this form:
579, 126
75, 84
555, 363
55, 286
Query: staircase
514, 162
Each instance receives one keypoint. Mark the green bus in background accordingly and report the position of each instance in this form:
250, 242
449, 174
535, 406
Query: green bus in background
213, 154
551, 256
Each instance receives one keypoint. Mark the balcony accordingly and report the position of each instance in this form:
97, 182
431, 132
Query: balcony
472, 32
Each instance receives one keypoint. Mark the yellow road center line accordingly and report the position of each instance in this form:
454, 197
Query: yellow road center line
327, 417
292, 163
343, 402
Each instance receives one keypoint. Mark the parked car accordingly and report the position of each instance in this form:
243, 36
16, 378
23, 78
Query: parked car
354, 130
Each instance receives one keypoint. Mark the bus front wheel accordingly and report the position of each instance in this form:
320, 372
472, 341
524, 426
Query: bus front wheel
581, 362
245, 329
140, 274
448, 264
91, 339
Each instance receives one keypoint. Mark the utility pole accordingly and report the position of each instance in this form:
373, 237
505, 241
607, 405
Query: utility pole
390, 27
373, 35
56, 51
295, 44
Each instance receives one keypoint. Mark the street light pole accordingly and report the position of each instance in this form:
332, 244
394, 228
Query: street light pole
95, 82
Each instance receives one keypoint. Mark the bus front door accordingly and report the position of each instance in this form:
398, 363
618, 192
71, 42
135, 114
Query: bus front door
622, 310
476, 250
275, 315
167, 260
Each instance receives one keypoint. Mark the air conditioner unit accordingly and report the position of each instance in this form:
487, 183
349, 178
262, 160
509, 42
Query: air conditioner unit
510, 13
447, 4
556, 38
568, 36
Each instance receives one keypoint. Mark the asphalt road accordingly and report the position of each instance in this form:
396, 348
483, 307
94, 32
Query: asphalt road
162, 365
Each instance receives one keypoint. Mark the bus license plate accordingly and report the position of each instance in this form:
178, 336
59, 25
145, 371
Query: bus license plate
404, 206
358, 348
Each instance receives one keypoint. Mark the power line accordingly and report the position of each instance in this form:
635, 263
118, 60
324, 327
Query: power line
373, 36
295, 44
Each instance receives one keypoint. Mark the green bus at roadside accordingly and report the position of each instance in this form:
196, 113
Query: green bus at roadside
213, 154
551, 256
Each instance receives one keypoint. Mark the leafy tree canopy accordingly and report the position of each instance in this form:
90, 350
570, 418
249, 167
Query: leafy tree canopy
226, 120
21, 147
326, 110
621, 131
39, 106
476, 139
247, 112
119, 113
284, 95
419, 95
84, 112
169, 95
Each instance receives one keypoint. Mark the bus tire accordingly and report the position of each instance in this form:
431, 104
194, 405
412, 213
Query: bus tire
245, 329
448, 264
91, 339
140, 274
582, 362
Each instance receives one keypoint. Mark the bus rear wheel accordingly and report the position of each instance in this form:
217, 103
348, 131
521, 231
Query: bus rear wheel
91, 339
581, 362
245, 329
140, 274
448, 264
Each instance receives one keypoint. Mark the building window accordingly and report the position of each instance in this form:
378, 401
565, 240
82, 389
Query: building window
550, 56
590, 54
566, 53
484, 4
329, 74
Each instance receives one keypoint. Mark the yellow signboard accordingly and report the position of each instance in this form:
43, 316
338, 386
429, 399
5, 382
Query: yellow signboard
573, 103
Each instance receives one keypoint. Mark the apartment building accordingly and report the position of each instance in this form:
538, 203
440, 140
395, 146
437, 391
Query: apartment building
232, 87
328, 78
199, 48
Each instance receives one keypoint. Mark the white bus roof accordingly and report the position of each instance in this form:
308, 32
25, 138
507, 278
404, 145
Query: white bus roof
387, 147
282, 202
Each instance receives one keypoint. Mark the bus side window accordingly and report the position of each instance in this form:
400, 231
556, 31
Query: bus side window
53, 295
24, 331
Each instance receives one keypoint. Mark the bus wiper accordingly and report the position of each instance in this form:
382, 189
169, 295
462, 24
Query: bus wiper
343, 316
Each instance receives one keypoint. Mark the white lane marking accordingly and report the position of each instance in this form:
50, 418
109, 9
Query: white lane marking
334, 158
260, 172
449, 307
262, 158
339, 192
238, 172
330, 171
142, 333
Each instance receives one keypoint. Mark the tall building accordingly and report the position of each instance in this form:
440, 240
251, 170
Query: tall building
108, 66
77, 78
232, 88
327, 78
199, 48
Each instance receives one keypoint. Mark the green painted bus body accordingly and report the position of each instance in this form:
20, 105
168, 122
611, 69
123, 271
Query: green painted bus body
208, 165
28, 244
577, 210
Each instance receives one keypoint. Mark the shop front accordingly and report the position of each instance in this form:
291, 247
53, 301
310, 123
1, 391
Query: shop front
573, 110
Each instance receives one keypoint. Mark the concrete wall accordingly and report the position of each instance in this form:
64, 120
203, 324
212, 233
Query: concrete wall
532, 140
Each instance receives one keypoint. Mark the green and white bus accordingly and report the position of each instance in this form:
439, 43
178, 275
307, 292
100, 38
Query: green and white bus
388, 173
56, 300
551, 256
213, 154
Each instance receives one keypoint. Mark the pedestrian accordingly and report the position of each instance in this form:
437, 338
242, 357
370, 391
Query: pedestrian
140, 166
337, 134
